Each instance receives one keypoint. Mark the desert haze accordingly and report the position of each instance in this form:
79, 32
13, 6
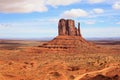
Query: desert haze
67, 57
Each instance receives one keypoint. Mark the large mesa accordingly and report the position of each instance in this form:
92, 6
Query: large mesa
69, 37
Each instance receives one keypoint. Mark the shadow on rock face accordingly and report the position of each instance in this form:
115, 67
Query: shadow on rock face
55, 76
102, 77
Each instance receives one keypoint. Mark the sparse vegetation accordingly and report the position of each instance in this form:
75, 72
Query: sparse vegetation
33, 63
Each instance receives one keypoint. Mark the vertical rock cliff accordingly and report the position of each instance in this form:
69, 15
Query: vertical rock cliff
69, 37
67, 27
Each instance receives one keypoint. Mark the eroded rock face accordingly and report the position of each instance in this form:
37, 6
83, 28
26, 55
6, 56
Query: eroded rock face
79, 34
102, 77
62, 30
69, 37
67, 27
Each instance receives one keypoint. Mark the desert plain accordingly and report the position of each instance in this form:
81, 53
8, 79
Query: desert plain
25, 60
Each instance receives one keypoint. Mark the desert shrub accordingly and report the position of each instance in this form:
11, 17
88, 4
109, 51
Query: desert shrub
73, 68
72, 77
55, 74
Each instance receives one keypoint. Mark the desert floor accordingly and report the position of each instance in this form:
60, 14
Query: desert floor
24, 60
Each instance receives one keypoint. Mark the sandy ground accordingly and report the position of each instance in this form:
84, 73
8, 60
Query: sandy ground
24, 60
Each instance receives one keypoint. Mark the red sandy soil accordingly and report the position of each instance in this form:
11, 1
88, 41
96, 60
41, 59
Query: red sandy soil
24, 60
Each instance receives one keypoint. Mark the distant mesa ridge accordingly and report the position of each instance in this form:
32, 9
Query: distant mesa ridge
69, 36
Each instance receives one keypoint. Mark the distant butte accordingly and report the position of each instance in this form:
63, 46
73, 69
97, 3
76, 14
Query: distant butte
67, 28
69, 37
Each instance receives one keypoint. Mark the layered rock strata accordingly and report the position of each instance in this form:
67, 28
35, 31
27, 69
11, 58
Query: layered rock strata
69, 36
67, 27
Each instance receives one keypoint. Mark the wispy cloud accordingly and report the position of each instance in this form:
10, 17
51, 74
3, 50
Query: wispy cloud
26, 6
101, 32
116, 5
91, 13
5, 25
61, 2
22, 6
98, 10
118, 23
29, 29
90, 22
76, 13
95, 1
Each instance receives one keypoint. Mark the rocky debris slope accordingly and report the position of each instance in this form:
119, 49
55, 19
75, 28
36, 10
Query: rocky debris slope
109, 73
69, 37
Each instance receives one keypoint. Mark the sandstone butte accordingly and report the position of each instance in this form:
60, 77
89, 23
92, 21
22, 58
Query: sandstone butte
69, 37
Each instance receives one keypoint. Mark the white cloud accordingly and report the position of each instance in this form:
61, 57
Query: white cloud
61, 2
90, 22
95, 1
116, 5
74, 13
22, 6
26, 6
98, 10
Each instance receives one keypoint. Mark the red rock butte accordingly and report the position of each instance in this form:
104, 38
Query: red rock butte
69, 36
67, 28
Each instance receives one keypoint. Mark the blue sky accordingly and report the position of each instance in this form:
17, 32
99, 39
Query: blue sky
34, 19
